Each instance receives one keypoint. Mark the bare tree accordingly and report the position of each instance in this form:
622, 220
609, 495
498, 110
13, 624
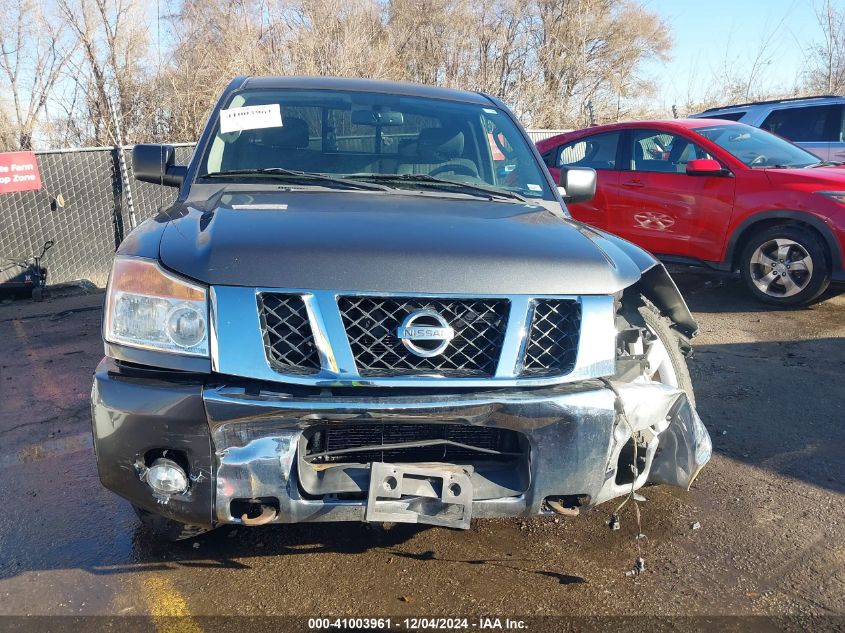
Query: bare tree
33, 51
111, 66
8, 133
826, 62
479, 45
741, 78
213, 41
545, 58
338, 37
593, 51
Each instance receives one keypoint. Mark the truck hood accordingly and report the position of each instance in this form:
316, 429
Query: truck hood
389, 242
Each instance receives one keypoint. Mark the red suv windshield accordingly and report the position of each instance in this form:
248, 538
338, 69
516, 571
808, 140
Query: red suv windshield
757, 148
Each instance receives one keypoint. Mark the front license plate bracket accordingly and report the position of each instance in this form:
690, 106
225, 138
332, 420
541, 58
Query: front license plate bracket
416, 494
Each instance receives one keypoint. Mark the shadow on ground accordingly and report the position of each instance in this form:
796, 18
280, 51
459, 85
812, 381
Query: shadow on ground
709, 293
776, 405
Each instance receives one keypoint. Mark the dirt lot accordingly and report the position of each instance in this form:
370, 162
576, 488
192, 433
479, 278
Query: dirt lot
770, 387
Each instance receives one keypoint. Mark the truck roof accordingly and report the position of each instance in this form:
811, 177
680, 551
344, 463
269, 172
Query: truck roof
366, 85
796, 100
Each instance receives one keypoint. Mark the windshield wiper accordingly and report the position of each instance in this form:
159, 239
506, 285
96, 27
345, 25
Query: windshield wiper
824, 163
292, 174
455, 185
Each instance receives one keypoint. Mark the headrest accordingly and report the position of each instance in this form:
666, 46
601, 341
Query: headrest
292, 135
440, 143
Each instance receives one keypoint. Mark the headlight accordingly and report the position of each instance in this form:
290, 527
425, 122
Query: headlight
149, 308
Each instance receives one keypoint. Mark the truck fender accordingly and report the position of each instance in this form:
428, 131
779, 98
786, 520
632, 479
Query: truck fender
654, 284
657, 286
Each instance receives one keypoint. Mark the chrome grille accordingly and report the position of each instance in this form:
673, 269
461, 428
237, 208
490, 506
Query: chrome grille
552, 346
371, 324
286, 329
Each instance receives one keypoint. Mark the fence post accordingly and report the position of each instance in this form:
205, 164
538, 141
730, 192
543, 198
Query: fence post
117, 197
121, 161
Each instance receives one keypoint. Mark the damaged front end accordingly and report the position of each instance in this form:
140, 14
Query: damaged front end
261, 455
572, 401
281, 458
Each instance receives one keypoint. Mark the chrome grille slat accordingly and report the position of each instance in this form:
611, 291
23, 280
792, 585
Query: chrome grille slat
552, 346
286, 330
371, 324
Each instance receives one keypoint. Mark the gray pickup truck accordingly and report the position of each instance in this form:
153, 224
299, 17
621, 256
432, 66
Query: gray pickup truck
369, 303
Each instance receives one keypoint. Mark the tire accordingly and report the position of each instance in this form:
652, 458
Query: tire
672, 368
781, 282
166, 529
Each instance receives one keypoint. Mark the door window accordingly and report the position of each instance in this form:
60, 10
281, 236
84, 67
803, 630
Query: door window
656, 151
598, 152
807, 124
726, 116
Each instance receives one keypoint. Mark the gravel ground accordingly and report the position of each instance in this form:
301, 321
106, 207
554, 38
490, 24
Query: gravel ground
762, 532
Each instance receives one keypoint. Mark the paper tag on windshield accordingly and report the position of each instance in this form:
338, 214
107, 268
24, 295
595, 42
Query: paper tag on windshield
250, 118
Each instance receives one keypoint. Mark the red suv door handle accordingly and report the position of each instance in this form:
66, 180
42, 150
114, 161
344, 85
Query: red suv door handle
633, 183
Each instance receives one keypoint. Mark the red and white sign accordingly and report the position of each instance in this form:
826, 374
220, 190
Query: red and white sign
19, 172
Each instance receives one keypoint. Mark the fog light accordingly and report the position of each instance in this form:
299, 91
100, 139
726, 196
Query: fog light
167, 477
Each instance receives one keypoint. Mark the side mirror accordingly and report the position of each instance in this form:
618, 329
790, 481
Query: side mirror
156, 164
706, 167
578, 183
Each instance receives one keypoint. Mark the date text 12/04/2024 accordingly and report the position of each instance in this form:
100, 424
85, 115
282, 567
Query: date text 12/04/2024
414, 624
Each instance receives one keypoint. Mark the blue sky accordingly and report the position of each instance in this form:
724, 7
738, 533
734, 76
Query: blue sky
708, 34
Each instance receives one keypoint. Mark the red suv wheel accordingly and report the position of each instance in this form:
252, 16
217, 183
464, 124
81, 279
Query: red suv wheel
785, 265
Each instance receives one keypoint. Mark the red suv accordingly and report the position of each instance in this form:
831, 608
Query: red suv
715, 193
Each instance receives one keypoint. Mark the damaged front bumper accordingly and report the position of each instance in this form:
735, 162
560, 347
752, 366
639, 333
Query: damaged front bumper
257, 455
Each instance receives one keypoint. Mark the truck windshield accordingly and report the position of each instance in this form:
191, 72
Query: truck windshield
363, 136
757, 148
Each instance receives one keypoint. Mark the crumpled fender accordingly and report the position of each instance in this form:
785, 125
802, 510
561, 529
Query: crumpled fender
677, 444
659, 288
685, 447
655, 283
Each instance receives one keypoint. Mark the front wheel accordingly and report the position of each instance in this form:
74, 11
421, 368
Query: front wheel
661, 346
785, 266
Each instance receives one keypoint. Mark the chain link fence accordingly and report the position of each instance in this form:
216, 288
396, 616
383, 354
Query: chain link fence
82, 207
